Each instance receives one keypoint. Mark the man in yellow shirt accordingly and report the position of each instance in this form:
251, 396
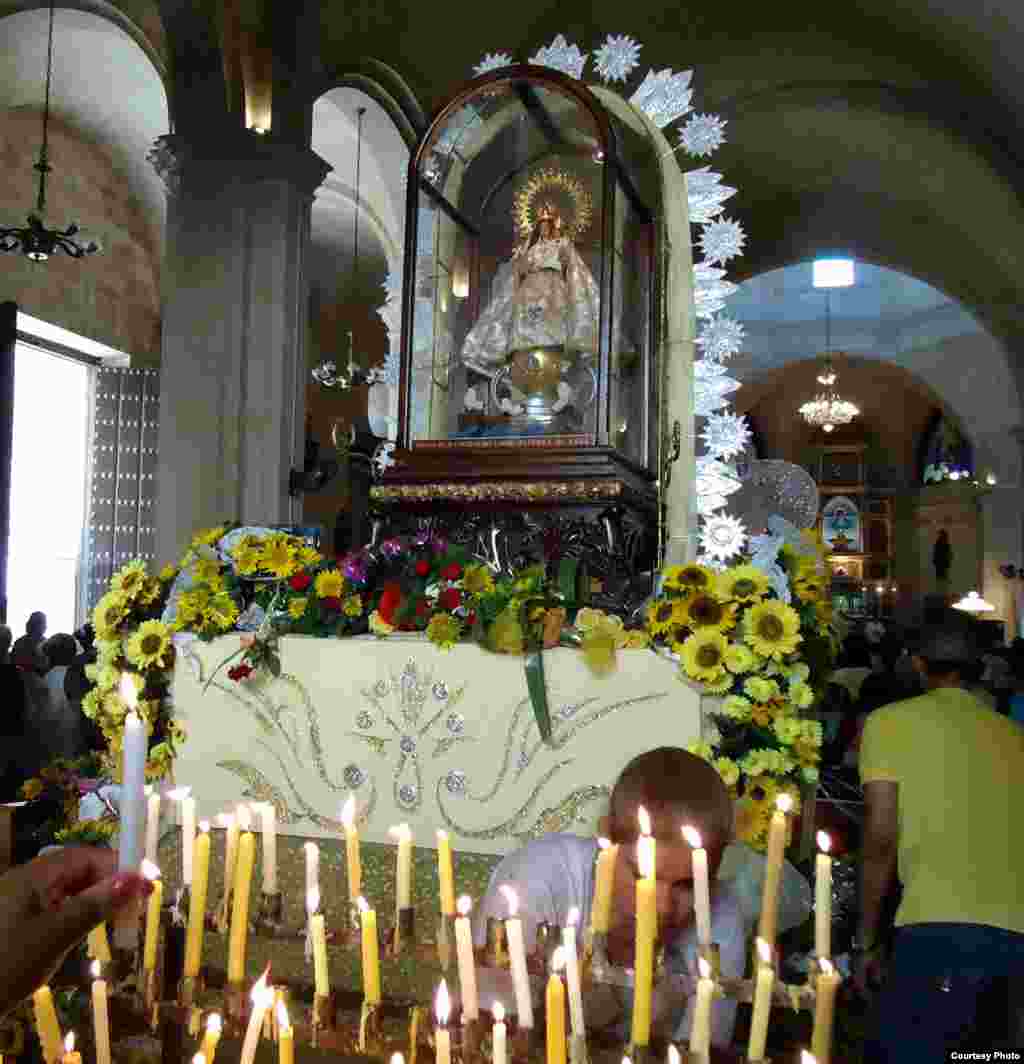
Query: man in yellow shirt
943, 783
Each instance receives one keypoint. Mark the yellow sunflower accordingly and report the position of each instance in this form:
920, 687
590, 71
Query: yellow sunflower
444, 630
150, 645
353, 606
772, 629
720, 686
248, 560
151, 589
739, 659
110, 611
207, 571
329, 584
309, 556
220, 611
477, 580
690, 577
706, 610
704, 655
744, 583
665, 614
167, 574
278, 557
130, 579
297, 607
208, 536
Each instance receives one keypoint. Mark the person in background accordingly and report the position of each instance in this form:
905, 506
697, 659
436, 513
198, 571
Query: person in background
854, 665
943, 784
27, 652
6, 635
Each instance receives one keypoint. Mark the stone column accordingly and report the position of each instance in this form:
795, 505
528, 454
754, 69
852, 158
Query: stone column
233, 363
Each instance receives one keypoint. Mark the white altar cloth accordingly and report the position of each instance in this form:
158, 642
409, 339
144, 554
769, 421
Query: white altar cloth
431, 738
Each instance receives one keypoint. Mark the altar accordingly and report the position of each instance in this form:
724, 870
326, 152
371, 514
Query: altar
431, 738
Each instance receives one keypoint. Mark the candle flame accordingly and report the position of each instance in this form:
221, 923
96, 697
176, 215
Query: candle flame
312, 900
150, 870
95, 969
558, 959
442, 1004
397, 1058
464, 904
645, 856
807, 1058
824, 842
673, 1055
604, 843
645, 820
128, 690
214, 1023
348, 813
244, 818
441, 835
704, 968
499, 1012
69, 1042
784, 803
204, 825
179, 794
826, 966
282, 1017
199, 1058
401, 832
361, 904
573, 918
764, 951
692, 836
259, 988
511, 897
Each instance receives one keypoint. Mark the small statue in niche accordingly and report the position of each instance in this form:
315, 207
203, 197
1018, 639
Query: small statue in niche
942, 556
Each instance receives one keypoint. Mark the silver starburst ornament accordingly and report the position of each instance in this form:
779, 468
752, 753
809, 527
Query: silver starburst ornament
721, 241
712, 394
710, 289
702, 135
562, 56
725, 435
617, 58
722, 537
705, 194
493, 61
720, 337
664, 96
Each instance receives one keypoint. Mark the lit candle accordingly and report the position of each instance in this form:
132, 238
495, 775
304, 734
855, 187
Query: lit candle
442, 1036
371, 952
262, 998
700, 1032
152, 823
445, 873
100, 1015
403, 866
268, 815
604, 877
312, 870
673, 1055
47, 1026
199, 1058
701, 894
554, 1000
354, 865
131, 808
572, 972
285, 1036
823, 898
466, 960
229, 822
646, 933
824, 1009
762, 1003
499, 1035
197, 903
773, 869
517, 959
238, 936
318, 937
806, 1058
70, 1055
214, 1026
156, 900
98, 945
187, 812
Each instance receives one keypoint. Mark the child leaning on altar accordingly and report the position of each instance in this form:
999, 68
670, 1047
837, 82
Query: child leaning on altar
555, 873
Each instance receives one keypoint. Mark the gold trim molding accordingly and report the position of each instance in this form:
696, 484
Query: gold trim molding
500, 491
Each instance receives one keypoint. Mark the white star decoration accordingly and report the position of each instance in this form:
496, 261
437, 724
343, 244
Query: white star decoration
725, 435
705, 194
720, 337
703, 134
712, 394
493, 61
561, 55
721, 241
617, 58
722, 537
663, 96
710, 290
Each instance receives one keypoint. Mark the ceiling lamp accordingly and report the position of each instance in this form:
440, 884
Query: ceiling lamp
972, 602
34, 240
827, 409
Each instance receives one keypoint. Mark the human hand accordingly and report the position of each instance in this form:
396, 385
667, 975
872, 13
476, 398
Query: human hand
869, 971
49, 905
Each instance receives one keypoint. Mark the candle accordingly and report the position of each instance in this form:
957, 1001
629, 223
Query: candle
156, 900
701, 894
604, 878
445, 873
762, 1003
646, 933
318, 937
700, 1032
262, 998
442, 1036
773, 869
100, 1015
823, 898
371, 952
239, 933
355, 868
572, 972
499, 1035
806, 1058
517, 959
187, 814
268, 815
214, 1026
152, 823
98, 945
70, 1056
466, 961
47, 1026
824, 1009
197, 904
133, 792
554, 1000
199, 1058
312, 871
229, 823
285, 1036
403, 866
673, 1055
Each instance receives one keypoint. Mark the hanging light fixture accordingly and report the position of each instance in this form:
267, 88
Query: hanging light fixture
34, 240
827, 409
327, 374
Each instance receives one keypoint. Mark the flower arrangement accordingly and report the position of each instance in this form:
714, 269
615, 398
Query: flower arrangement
61, 783
736, 636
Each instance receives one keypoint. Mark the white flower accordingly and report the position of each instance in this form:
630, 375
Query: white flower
720, 337
725, 435
617, 58
562, 56
703, 134
493, 61
721, 241
722, 537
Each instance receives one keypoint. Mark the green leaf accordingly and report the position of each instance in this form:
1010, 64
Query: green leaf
538, 692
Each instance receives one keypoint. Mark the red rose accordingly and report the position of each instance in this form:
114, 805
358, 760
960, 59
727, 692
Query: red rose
299, 582
449, 599
422, 608
452, 572
331, 603
471, 618
422, 568
240, 672
389, 602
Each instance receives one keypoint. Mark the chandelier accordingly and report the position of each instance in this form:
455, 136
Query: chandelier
827, 409
34, 240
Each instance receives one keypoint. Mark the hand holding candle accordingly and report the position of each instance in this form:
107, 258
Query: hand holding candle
701, 894
352, 859
763, 986
442, 1036
823, 898
466, 961
517, 959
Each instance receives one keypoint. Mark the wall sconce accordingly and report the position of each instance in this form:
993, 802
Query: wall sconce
460, 282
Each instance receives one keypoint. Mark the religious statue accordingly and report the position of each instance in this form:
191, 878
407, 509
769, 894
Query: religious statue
942, 556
